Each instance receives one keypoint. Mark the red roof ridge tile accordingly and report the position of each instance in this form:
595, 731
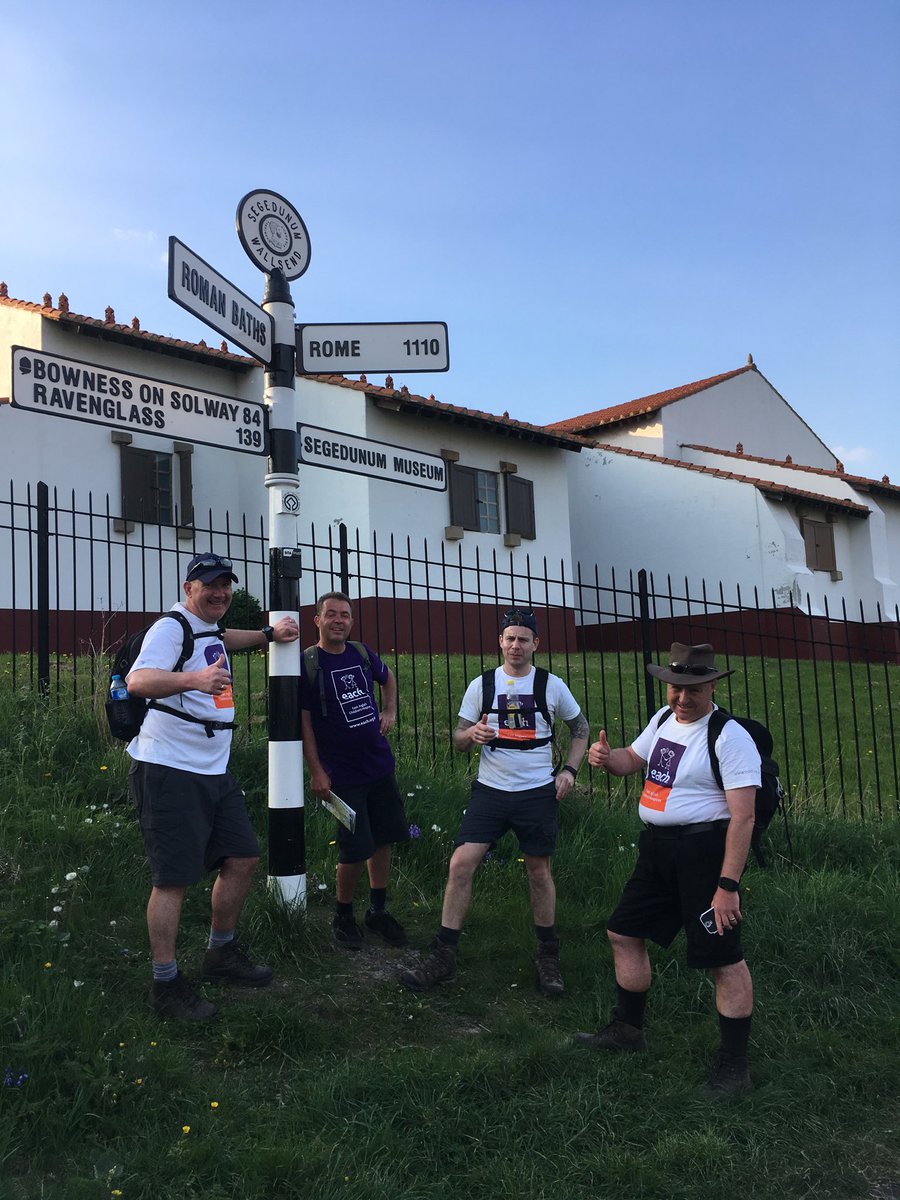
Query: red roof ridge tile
642, 406
884, 482
764, 485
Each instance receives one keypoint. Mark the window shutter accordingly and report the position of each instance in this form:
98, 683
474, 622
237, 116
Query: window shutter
520, 506
464, 497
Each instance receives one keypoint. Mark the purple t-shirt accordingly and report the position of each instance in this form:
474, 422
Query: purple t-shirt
349, 739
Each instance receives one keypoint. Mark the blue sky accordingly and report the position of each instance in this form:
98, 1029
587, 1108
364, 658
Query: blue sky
602, 199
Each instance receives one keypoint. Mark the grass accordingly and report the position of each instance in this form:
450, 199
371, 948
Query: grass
335, 1082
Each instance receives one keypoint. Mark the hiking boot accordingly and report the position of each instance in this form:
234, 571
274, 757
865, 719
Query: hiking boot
231, 963
386, 926
439, 967
346, 931
729, 1076
177, 999
617, 1035
550, 981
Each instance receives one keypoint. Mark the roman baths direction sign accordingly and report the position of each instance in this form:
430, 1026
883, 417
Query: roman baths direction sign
64, 387
375, 348
196, 286
361, 456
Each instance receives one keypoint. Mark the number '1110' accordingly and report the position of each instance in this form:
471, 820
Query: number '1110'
422, 346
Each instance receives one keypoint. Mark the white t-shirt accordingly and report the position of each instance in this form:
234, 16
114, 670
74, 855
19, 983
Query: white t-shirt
168, 740
517, 770
680, 788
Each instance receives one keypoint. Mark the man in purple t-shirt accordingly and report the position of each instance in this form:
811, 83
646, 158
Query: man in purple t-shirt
345, 748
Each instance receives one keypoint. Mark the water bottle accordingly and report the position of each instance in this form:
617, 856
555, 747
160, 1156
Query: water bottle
117, 688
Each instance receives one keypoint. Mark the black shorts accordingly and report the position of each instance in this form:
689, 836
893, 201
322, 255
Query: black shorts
191, 823
673, 882
380, 819
532, 815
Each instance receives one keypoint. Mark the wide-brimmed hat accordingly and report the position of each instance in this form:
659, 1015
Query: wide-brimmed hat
689, 664
207, 567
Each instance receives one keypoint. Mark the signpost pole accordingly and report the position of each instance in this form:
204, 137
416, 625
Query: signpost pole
287, 844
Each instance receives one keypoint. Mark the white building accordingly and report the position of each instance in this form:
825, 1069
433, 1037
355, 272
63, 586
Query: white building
720, 480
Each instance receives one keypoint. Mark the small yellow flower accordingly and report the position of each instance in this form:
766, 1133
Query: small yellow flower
47, 966
185, 1129
152, 1043
213, 1104
332, 843
520, 860
104, 768
116, 1192
121, 1045
139, 1082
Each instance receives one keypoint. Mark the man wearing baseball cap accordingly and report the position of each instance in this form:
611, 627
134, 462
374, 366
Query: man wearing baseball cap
515, 790
691, 855
191, 809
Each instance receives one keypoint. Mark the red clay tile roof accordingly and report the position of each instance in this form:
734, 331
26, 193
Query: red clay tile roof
861, 482
640, 408
403, 400
131, 334
775, 491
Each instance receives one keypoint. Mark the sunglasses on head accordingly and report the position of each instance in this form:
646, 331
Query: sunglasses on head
214, 560
687, 669
515, 615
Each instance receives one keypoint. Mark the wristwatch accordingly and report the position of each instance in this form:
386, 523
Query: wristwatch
269, 632
728, 885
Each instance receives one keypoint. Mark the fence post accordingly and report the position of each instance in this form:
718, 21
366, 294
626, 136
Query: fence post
43, 587
344, 554
646, 642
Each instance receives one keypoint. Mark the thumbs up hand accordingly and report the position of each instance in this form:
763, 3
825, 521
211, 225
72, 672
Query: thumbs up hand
215, 678
599, 752
480, 732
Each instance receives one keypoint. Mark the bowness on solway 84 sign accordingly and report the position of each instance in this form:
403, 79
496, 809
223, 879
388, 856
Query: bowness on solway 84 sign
63, 387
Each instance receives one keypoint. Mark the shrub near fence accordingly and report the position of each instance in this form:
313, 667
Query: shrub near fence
828, 687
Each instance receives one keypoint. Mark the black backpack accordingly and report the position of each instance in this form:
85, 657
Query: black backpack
488, 689
313, 674
770, 794
125, 717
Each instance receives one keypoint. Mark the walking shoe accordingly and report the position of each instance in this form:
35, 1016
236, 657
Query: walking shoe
550, 981
439, 967
346, 931
177, 999
729, 1076
386, 926
232, 964
617, 1035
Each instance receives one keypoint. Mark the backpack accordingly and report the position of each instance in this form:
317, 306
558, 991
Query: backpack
488, 690
770, 794
313, 674
125, 717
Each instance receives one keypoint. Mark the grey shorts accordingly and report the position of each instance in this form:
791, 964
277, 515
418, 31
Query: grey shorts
190, 823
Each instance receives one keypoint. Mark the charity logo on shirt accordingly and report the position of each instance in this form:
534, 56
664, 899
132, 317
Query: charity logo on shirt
661, 772
516, 717
212, 654
349, 685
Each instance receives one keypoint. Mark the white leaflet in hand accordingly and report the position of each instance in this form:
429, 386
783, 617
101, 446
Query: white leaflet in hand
344, 813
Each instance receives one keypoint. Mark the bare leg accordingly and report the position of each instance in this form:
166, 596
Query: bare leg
163, 918
458, 893
632, 962
734, 990
230, 891
380, 866
543, 890
347, 878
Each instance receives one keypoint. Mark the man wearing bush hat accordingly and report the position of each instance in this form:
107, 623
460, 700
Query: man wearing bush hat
190, 807
691, 855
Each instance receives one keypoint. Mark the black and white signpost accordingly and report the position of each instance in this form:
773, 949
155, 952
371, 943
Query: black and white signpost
276, 240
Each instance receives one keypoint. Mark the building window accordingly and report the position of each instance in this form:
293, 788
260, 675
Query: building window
146, 486
474, 499
520, 506
818, 537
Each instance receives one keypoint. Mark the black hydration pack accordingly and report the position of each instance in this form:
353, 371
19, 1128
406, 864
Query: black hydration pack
770, 795
488, 690
125, 717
